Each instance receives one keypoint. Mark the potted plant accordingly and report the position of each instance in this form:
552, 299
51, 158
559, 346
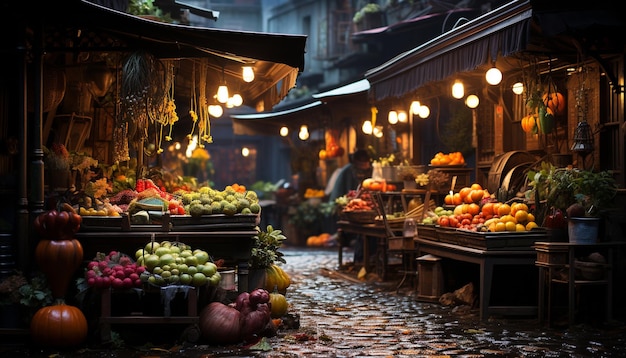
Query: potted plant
369, 16
569, 196
21, 297
265, 252
408, 174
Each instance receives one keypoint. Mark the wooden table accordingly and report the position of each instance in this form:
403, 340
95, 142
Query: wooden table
489, 260
363, 231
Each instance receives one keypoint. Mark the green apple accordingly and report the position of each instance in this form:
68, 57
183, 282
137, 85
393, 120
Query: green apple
152, 280
198, 279
185, 279
208, 269
175, 249
162, 251
166, 274
166, 243
183, 268
186, 253
166, 259
192, 270
151, 247
151, 261
140, 252
175, 272
174, 279
157, 270
191, 261
215, 279
202, 256
166, 267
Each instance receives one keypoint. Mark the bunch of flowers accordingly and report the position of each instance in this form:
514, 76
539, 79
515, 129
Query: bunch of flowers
57, 157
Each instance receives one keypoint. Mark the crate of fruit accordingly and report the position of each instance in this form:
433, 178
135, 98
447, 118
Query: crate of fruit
503, 240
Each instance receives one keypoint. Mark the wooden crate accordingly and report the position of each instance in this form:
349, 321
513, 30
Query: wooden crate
401, 243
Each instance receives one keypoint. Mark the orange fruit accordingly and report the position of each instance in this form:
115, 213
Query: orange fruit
500, 226
510, 226
504, 209
476, 195
530, 217
476, 186
521, 216
448, 199
456, 199
531, 225
367, 183
487, 209
520, 227
465, 191
473, 209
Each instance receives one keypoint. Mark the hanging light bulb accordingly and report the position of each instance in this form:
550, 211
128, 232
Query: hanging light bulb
402, 117
415, 107
247, 73
392, 117
222, 94
367, 127
245, 151
458, 91
518, 88
472, 101
215, 110
377, 131
237, 100
304, 132
424, 111
284, 131
493, 75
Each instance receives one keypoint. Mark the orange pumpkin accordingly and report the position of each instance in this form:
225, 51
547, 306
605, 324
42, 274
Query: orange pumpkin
555, 101
59, 325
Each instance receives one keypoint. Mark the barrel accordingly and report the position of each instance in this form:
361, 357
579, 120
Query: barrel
503, 163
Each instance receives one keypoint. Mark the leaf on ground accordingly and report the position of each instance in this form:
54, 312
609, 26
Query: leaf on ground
262, 345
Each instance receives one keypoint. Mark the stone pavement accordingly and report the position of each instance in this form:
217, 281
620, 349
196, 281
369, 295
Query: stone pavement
341, 316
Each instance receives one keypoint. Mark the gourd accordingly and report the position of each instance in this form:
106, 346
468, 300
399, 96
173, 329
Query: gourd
220, 323
59, 325
278, 304
529, 124
58, 259
555, 101
275, 276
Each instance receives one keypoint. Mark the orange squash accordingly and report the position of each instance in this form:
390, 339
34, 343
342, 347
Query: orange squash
529, 124
555, 101
59, 325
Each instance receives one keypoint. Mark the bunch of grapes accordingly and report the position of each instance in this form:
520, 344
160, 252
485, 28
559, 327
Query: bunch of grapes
114, 270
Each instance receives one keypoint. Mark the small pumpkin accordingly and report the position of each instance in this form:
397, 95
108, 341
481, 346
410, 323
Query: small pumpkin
278, 304
529, 124
276, 277
59, 325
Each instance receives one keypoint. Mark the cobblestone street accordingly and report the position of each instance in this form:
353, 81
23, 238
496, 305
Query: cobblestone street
341, 316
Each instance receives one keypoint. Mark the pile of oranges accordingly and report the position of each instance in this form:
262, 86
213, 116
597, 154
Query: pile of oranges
469, 194
441, 159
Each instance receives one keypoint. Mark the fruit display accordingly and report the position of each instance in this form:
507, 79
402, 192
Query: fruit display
443, 159
115, 270
382, 185
175, 263
476, 210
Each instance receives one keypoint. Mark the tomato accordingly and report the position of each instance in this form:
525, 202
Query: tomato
181, 210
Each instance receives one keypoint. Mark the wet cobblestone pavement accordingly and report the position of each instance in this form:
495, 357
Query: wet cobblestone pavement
341, 316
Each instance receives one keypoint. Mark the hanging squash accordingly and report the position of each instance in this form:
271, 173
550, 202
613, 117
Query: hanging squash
59, 325
529, 124
555, 101
545, 123
58, 259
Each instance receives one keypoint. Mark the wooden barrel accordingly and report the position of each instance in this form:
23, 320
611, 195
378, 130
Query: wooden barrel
502, 164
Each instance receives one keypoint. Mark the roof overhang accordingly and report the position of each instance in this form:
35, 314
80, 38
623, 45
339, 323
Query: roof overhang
276, 58
518, 29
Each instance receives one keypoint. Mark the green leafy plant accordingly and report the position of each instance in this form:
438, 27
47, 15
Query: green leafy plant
367, 9
559, 188
265, 248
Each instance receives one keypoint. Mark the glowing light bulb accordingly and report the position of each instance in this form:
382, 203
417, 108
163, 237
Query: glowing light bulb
518, 88
222, 94
458, 91
247, 73
493, 76
284, 131
472, 101
393, 117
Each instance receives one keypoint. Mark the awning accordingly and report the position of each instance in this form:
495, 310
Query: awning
277, 58
502, 31
352, 88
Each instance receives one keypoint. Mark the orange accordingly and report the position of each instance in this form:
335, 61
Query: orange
531, 225
476, 194
476, 186
508, 218
449, 199
520, 227
487, 209
521, 216
367, 183
504, 209
465, 191
510, 226
500, 226
530, 217
456, 199
473, 209
468, 199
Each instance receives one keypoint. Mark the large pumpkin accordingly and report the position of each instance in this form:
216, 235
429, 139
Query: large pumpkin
58, 259
59, 325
